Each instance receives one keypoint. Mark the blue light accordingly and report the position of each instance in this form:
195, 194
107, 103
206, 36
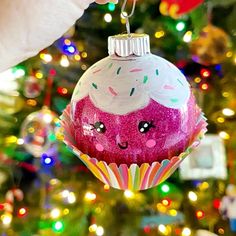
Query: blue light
69, 49
218, 67
46, 160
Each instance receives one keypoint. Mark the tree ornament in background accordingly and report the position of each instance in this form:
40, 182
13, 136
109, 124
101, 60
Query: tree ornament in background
211, 46
32, 87
176, 8
207, 161
38, 131
228, 206
132, 118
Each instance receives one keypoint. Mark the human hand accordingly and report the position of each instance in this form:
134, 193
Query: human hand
106, 1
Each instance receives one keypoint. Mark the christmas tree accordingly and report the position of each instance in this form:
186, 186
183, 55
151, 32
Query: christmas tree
55, 194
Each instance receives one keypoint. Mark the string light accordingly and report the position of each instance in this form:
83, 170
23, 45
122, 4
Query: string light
39, 75
204, 86
22, 212
71, 198
165, 188
47, 118
200, 214
31, 102
93, 228
106, 187
111, 6
58, 226
99, 231
6, 219
186, 232
224, 135
221, 231
122, 17
229, 54
180, 26
205, 73
128, 194
62, 91
66, 211
89, 196
55, 213
225, 94
162, 228
159, 34
228, 112
192, 196
220, 119
166, 202
64, 62
197, 80
173, 212
20, 141
45, 57
77, 57
108, 17
187, 37
84, 54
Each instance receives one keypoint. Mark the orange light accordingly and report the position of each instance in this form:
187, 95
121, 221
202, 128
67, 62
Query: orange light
31, 102
205, 73
106, 187
22, 212
166, 202
204, 86
62, 91
200, 214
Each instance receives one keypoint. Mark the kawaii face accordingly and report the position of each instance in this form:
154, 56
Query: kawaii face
150, 134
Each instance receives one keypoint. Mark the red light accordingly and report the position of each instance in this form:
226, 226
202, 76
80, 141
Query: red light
200, 214
147, 229
1, 206
178, 231
204, 86
205, 73
166, 202
62, 91
216, 203
52, 72
22, 212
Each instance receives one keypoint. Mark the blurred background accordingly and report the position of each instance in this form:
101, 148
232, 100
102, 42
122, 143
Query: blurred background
46, 190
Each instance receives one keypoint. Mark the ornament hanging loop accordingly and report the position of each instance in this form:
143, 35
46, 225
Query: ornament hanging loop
127, 16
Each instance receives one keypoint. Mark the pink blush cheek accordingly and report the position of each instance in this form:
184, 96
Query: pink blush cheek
99, 147
151, 143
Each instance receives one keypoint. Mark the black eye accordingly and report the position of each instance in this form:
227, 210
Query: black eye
100, 127
145, 126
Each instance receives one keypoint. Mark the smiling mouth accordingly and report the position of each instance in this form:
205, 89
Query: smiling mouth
123, 145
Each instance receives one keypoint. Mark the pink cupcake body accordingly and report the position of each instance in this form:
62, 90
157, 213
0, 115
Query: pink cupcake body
153, 133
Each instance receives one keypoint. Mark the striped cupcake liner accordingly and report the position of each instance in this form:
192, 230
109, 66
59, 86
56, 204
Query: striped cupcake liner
133, 177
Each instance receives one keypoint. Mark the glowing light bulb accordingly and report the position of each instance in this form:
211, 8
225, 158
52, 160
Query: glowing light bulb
228, 112
20, 141
93, 228
22, 212
71, 198
200, 214
128, 194
220, 119
165, 188
192, 196
46, 57
162, 228
186, 232
204, 86
99, 231
108, 17
89, 196
55, 213
47, 118
6, 219
111, 6
64, 62
58, 226
187, 37
166, 202
224, 135
180, 26
159, 34
205, 73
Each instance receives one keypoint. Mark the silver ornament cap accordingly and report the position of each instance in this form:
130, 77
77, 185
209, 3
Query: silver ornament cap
125, 45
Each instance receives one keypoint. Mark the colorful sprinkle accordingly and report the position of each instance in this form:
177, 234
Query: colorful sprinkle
180, 82
96, 71
112, 91
169, 87
157, 72
145, 79
110, 65
95, 86
174, 99
136, 70
118, 71
132, 92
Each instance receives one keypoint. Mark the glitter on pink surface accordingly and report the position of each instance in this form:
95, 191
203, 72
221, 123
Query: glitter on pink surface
125, 137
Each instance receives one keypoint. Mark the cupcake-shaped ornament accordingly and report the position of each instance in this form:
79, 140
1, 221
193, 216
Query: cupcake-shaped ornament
132, 118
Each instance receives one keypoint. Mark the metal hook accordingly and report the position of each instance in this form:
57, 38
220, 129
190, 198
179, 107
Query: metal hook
127, 16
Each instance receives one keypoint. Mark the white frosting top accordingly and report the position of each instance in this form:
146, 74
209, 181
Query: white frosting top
122, 85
